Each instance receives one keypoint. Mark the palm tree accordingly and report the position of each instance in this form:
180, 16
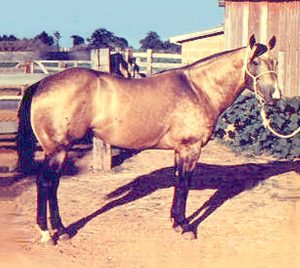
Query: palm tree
57, 36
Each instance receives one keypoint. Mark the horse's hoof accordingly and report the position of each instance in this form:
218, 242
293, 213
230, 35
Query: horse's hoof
189, 235
46, 238
177, 228
49, 242
64, 237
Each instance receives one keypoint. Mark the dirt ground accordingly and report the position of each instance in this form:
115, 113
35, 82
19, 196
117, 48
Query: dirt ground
246, 212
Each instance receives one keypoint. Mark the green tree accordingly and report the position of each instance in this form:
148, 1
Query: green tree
77, 40
57, 36
45, 38
151, 41
8, 38
171, 47
120, 42
102, 38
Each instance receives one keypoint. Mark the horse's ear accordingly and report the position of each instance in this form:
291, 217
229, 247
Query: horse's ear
272, 43
260, 49
257, 49
252, 41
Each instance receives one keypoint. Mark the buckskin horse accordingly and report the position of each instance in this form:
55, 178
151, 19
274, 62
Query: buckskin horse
175, 110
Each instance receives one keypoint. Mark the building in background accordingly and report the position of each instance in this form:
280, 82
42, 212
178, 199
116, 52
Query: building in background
195, 46
265, 19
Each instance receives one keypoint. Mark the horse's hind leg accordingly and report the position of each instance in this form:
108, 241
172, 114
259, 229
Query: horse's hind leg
47, 185
185, 161
56, 165
42, 197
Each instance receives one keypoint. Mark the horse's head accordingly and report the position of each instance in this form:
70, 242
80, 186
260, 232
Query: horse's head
261, 75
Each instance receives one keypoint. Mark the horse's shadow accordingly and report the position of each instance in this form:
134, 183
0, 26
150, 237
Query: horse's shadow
228, 181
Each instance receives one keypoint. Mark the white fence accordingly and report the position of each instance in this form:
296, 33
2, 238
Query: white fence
40, 66
152, 62
149, 62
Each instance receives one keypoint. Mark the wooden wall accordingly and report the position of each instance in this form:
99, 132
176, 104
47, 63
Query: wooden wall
199, 48
265, 19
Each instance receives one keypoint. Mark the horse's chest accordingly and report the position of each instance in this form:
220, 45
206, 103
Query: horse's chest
193, 122
193, 115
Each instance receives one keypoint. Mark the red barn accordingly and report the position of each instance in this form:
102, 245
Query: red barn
265, 19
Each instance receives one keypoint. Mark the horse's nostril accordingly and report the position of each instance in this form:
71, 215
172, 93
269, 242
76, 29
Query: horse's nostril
276, 94
272, 102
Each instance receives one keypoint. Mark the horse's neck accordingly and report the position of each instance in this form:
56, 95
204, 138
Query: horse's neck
221, 79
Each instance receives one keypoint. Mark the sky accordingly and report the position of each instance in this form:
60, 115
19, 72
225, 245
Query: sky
131, 19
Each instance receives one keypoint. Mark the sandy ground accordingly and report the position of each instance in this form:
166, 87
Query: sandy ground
246, 212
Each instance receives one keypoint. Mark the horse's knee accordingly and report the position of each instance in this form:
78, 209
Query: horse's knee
186, 159
54, 162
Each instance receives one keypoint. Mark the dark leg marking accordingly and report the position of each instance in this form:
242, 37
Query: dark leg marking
48, 182
185, 162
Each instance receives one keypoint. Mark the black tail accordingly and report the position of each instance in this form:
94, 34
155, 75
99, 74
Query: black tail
26, 140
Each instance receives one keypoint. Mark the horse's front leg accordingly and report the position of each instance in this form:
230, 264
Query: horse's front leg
185, 161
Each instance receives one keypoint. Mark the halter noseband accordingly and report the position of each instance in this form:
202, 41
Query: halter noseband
254, 78
258, 95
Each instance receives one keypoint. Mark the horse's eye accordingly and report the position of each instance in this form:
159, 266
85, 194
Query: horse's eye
256, 62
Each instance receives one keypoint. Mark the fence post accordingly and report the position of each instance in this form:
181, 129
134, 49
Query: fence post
62, 65
28, 67
100, 59
102, 156
128, 58
149, 61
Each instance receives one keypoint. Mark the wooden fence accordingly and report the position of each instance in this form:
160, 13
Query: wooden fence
40, 66
149, 62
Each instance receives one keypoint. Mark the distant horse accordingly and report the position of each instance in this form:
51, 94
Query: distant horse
175, 109
134, 69
118, 65
125, 68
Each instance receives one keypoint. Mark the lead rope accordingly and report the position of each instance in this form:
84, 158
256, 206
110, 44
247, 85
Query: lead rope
267, 121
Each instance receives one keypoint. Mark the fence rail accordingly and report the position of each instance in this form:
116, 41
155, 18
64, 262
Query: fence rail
148, 62
151, 62
40, 66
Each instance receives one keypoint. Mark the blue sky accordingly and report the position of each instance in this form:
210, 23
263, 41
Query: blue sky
131, 19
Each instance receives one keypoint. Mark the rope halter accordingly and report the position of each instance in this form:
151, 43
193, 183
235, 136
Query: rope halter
258, 95
262, 102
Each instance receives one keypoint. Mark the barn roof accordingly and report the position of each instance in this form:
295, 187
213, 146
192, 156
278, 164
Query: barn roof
222, 2
179, 39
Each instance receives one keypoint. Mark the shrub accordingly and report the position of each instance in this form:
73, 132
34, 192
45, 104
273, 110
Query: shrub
241, 127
